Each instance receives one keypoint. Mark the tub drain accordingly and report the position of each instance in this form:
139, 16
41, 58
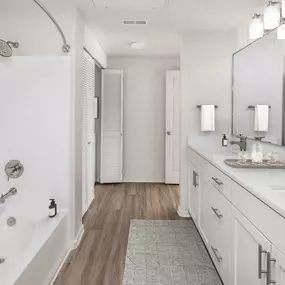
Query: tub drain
2, 260
11, 222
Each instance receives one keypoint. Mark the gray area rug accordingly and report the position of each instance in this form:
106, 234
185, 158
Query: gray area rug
167, 253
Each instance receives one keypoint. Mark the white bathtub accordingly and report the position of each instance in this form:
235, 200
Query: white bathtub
32, 249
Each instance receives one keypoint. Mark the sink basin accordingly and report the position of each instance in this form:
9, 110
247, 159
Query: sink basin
235, 163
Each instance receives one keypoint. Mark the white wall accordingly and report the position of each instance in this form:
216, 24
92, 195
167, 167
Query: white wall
144, 115
206, 61
25, 22
35, 129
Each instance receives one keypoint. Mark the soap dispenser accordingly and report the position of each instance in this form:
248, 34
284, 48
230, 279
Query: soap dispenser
257, 153
52, 208
224, 140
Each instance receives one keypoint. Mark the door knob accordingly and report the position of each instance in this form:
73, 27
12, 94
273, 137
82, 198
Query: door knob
168, 133
89, 142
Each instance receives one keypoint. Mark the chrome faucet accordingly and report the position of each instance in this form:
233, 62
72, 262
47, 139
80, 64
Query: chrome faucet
4, 197
242, 143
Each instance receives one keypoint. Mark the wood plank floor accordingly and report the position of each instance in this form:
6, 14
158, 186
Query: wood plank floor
100, 258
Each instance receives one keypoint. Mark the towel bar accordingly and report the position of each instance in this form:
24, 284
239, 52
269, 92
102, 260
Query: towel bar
253, 107
200, 106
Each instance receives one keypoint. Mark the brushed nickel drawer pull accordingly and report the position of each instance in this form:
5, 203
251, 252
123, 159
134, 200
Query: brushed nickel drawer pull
269, 260
260, 252
216, 211
218, 181
216, 253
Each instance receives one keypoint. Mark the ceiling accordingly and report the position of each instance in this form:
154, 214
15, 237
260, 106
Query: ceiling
167, 20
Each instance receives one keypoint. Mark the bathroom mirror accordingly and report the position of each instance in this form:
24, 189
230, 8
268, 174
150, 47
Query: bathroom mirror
258, 79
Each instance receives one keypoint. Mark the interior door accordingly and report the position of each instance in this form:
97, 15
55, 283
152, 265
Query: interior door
277, 266
112, 127
249, 252
172, 127
88, 142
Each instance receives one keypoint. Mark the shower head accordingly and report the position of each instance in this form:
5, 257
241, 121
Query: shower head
6, 48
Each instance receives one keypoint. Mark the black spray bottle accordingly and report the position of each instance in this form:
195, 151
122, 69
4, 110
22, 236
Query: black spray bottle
52, 208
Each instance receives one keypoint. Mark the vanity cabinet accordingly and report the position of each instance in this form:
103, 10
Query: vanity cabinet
244, 237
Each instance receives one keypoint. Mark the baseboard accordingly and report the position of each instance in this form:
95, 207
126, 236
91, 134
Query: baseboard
79, 236
63, 259
183, 213
58, 268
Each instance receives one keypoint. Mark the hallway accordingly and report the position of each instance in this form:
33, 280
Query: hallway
100, 258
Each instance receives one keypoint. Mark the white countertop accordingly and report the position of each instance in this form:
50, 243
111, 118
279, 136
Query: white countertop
259, 182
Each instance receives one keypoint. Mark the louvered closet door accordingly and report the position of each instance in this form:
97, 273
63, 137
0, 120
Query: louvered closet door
88, 132
112, 127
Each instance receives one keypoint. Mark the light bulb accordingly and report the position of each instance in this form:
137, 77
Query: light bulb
272, 16
256, 27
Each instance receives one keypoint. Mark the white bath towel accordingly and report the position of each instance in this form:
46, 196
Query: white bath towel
208, 118
261, 120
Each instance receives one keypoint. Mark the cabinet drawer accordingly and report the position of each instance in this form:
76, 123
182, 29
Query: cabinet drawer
220, 181
215, 227
266, 220
215, 215
221, 257
219, 214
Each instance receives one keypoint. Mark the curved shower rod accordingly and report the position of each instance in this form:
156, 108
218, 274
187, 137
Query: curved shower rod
66, 46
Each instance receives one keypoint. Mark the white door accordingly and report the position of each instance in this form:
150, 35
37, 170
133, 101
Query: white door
277, 266
194, 192
249, 252
88, 142
112, 127
172, 127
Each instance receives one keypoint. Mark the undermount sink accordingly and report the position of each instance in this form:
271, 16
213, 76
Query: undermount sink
236, 163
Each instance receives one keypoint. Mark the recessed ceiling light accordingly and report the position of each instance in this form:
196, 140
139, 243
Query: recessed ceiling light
137, 45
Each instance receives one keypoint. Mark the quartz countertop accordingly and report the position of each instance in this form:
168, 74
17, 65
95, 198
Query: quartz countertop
268, 185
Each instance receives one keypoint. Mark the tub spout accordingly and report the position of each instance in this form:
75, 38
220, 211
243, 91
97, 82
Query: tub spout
4, 197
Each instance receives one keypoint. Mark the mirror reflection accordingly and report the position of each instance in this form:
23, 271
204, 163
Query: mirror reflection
258, 97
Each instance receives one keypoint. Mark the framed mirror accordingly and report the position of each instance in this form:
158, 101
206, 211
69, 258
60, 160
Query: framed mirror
258, 90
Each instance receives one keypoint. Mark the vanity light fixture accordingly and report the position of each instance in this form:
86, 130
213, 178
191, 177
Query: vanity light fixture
256, 27
272, 15
283, 8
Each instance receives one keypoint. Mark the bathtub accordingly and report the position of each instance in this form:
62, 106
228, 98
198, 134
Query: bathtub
32, 249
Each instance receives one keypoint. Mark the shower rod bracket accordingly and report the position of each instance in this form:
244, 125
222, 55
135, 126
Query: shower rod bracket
66, 47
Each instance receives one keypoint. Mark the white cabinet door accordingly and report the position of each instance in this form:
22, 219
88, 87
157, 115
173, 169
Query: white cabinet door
277, 267
194, 192
172, 127
249, 252
112, 127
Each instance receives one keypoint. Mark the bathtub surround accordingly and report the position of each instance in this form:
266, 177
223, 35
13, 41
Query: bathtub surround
144, 115
206, 60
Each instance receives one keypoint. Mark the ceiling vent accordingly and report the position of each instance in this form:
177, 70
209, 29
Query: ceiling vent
131, 4
135, 22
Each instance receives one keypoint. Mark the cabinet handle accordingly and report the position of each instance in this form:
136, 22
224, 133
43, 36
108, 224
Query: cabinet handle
195, 182
260, 252
216, 212
268, 278
218, 181
216, 253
